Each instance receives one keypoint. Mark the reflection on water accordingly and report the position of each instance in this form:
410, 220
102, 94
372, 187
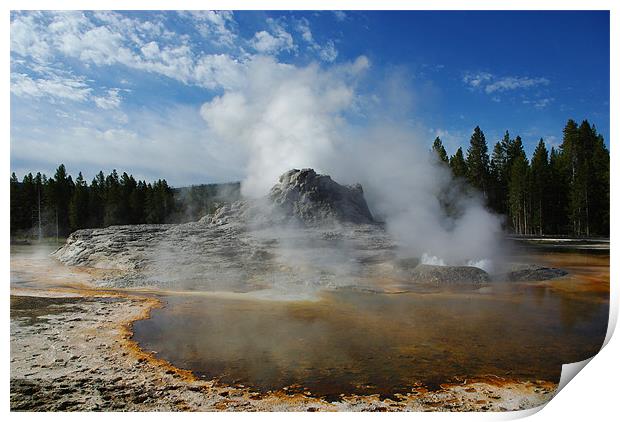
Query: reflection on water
355, 342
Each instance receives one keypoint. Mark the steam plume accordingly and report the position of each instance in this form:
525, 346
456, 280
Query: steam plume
285, 117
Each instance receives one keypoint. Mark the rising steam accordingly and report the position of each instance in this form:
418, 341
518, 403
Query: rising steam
285, 117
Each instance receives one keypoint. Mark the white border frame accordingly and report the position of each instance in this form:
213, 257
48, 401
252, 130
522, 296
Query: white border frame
591, 395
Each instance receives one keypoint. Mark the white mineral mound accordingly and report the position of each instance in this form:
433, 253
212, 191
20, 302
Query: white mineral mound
309, 233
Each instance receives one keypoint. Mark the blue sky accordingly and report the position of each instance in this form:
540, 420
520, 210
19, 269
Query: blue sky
175, 94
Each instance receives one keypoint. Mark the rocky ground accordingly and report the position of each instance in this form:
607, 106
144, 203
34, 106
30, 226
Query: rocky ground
73, 351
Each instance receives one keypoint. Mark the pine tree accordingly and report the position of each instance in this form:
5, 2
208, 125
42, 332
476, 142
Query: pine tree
60, 190
539, 185
498, 181
478, 162
557, 201
96, 201
42, 201
570, 163
137, 201
126, 188
17, 201
458, 164
513, 149
439, 149
586, 167
599, 187
159, 202
518, 193
584, 178
78, 206
29, 206
112, 200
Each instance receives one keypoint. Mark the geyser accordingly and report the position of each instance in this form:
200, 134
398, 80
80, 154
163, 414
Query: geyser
286, 116
308, 234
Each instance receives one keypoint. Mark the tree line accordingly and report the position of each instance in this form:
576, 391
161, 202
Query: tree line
562, 191
59, 205
44, 206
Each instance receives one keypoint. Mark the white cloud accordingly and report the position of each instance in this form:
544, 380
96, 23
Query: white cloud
113, 135
327, 52
490, 83
474, 80
264, 42
98, 45
104, 38
54, 87
175, 62
216, 26
513, 82
119, 40
60, 86
170, 143
274, 41
111, 101
340, 15
360, 64
150, 50
27, 42
552, 141
303, 27
137, 31
218, 70
122, 41
539, 103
